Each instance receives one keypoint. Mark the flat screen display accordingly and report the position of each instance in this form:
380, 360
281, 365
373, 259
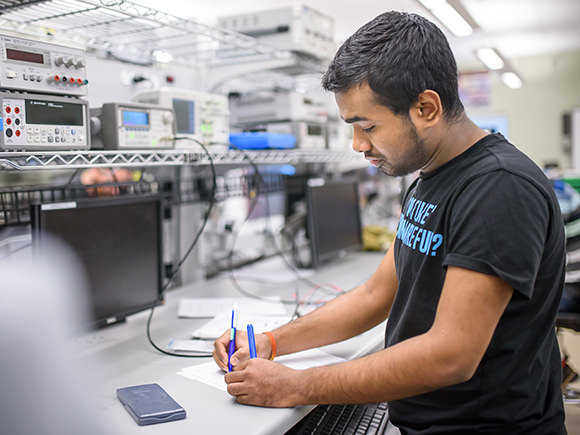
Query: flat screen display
333, 220
53, 113
118, 241
184, 115
135, 118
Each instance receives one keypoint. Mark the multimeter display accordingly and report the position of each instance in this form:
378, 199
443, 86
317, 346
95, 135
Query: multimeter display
53, 112
138, 119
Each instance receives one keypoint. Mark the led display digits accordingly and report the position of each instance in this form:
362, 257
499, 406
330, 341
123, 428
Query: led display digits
24, 56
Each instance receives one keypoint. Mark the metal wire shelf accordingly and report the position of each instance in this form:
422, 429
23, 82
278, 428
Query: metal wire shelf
85, 159
268, 157
26, 161
15, 202
124, 26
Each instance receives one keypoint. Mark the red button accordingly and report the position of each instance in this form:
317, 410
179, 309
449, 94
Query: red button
17, 110
72, 80
8, 109
8, 121
17, 132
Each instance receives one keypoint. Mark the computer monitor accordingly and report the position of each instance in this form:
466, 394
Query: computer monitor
333, 219
118, 241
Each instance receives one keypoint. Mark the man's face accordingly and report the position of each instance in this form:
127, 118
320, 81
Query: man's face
390, 142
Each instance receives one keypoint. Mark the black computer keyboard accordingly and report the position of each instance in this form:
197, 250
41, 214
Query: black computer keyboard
370, 419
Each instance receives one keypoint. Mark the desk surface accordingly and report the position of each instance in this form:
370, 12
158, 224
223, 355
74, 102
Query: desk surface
123, 357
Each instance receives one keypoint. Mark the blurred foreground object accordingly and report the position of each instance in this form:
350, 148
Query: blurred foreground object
44, 388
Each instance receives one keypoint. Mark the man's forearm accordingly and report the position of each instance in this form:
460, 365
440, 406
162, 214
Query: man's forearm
415, 366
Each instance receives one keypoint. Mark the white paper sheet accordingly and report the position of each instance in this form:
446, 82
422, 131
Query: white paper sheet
201, 347
211, 307
210, 374
215, 327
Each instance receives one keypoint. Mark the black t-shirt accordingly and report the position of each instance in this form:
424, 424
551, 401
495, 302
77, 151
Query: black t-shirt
491, 210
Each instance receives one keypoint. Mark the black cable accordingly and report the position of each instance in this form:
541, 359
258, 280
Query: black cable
166, 352
276, 247
253, 203
232, 277
72, 177
296, 302
115, 180
186, 255
205, 218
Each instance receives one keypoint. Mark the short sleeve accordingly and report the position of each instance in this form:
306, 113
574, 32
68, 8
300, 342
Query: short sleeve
498, 226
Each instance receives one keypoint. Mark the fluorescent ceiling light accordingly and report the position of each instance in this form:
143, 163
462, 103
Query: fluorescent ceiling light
432, 4
490, 58
511, 80
448, 16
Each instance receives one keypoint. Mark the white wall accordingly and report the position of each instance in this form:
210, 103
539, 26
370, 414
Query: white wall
551, 87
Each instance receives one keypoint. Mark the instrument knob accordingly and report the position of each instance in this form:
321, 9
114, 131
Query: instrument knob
167, 118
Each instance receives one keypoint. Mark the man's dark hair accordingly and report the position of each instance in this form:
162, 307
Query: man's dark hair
399, 55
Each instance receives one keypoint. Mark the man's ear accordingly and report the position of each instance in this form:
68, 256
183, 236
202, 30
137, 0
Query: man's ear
428, 109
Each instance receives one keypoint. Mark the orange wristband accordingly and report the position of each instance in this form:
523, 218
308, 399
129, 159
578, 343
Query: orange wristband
273, 343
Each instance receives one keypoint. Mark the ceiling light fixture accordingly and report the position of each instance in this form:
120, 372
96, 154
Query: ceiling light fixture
490, 58
449, 17
511, 80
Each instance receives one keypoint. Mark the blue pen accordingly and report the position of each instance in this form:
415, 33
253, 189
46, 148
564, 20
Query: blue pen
251, 341
232, 347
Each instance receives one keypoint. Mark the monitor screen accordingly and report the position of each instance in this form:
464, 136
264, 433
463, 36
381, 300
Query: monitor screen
333, 222
135, 118
184, 116
118, 240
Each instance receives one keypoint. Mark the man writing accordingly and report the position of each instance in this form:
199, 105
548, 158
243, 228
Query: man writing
471, 284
